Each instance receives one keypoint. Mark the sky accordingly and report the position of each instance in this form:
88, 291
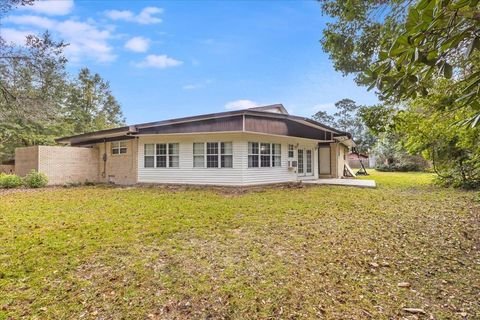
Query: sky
169, 59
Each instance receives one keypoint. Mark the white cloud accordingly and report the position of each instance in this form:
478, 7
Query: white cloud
193, 86
35, 21
138, 44
51, 7
199, 85
159, 61
15, 36
329, 107
84, 38
146, 16
240, 104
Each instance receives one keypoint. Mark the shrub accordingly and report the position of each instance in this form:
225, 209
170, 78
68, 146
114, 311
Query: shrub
10, 181
35, 179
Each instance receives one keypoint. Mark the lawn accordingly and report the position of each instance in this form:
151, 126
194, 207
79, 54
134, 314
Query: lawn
209, 253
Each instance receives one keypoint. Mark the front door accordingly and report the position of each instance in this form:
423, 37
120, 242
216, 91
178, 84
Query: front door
305, 162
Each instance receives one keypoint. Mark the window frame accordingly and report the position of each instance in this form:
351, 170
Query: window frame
167, 155
117, 145
258, 155
219, 154
291, 153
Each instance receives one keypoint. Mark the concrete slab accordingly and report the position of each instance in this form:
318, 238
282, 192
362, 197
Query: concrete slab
344, 182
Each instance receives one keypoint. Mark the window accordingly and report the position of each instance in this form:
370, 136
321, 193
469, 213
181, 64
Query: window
276, 155
119, 147
199, 155
161, 155
226, 155
173, 155
212, 155
264, 155
253, 154
149, 156
300, 161
290, 151
309, 161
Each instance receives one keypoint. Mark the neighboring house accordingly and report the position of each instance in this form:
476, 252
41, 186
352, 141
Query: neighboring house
355, 158
246, 147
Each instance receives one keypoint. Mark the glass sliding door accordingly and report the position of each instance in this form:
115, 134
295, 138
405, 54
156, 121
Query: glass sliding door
305, 162
301, 171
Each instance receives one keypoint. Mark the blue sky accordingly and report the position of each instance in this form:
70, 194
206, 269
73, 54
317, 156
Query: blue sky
179, 58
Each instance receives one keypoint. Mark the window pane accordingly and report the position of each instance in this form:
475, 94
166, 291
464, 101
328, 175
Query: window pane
253, 148
227, 161
149, 149
173, 161
277, 149
265, 148
198, 148
253, 161
277, 161
123, 150
161, 148
115, 151
300, 161
161, 161
212, 161
173, 149
149, 161
226, 148
212, 148
122, 144
199, 161
265, 161
309, 161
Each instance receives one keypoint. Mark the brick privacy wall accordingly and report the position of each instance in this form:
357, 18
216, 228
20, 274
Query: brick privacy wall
119, 168
7, 168
26, 159
68, 164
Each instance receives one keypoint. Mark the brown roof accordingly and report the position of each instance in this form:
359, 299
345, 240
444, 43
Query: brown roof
259, 111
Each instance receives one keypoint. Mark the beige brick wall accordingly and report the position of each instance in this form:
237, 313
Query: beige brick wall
7, 168
68, 164
119, 168
26, 159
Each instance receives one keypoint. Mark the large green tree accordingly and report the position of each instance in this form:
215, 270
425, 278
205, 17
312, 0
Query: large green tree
401, 47
32, 92
426, 127
91, 105
347, 118
39, 102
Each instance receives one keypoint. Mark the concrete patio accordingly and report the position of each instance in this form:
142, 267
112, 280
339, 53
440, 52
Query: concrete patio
344, 182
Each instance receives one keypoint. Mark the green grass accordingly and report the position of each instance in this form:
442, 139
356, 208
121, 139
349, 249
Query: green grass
313, 252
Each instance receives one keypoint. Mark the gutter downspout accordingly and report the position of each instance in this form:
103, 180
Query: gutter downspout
104, 158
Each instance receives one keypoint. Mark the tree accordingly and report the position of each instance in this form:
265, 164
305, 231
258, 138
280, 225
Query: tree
401, 47
426, 128
32, 90
91, 105
347, 119
38, 102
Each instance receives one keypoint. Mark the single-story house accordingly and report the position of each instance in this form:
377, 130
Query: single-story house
244, 147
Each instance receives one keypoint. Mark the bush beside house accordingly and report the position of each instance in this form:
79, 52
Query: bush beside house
8, 181
33, 179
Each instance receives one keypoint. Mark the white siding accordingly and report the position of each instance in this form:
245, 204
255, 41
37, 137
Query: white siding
240, 174
186, 173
